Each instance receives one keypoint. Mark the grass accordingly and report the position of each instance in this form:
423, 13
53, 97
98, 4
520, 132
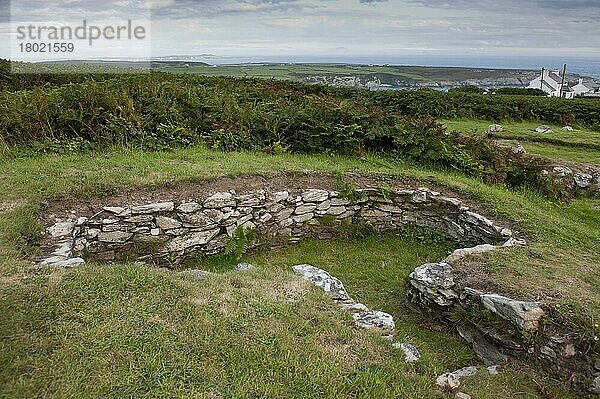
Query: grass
565, 236
125, 330
579, 145
132, 331
570, 154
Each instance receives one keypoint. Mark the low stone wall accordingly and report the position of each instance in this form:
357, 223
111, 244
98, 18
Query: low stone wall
496, 326
582, 179
167, 233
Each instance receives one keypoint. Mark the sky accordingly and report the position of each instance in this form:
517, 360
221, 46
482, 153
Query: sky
327, 28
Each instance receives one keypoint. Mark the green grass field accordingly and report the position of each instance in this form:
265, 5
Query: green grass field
132, 331
298, 72
579, 145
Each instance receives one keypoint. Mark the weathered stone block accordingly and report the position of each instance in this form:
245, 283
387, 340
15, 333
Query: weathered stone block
153, 208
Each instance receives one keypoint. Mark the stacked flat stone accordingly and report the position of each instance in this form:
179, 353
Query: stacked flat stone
165, 233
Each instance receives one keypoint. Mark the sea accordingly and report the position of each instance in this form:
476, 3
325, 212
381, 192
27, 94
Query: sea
579, 65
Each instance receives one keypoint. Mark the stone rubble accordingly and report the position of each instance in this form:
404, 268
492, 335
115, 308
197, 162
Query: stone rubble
543, 129
363, 317
449, 382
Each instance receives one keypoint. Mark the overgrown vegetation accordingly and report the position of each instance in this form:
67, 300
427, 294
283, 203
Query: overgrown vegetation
163, 111
495, 107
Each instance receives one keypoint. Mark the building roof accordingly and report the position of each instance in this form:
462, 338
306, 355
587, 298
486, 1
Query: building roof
590, 85
554, 76
548, 85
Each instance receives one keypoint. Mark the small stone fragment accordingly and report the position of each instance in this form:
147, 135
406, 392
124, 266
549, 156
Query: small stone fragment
495, 129
462, 395
448, 382
61, 229
569, 351
543, 129
244, 267
198, 273
220, 200
595, 388
525, 315
114, 237
548, 352
153, 208
411, 354
493, 370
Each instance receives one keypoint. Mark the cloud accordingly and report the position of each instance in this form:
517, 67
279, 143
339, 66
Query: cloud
553, 27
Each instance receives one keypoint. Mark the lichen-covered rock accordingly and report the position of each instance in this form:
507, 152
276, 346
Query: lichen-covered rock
525, 315
448, 382
519, 149
305, 208
153, 208
114, 237
315, 195
322, 279
463, 252
189, 207
583, 180
562, 171
66, 263
117, 210
543, 129
190, 240
411, 354
220, 200
435, 282
377, 320
200, 274
595, 388
494, 129
244, 267
485, 351
167, 223
61, 229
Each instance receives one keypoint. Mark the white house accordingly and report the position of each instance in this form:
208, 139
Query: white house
582, 88
551, 83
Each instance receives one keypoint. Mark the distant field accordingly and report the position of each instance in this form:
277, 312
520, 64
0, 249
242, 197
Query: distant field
387, 74
579, 145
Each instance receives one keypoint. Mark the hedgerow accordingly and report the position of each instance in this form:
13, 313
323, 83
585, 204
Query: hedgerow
161, 111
